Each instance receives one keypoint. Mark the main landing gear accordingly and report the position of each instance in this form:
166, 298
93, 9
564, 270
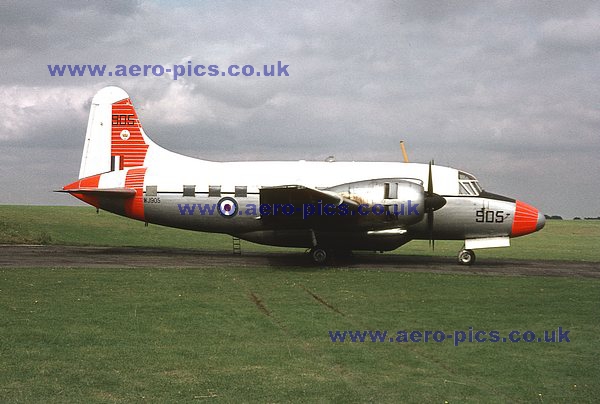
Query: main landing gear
466, 257
329, 256
320, 255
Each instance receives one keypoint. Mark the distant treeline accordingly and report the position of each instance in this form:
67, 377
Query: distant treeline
557, 217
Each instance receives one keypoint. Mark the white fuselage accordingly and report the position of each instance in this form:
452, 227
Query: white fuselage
124, 172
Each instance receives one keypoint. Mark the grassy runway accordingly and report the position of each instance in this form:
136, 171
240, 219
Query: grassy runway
261, 335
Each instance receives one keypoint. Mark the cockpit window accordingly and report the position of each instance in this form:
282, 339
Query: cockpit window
468, 184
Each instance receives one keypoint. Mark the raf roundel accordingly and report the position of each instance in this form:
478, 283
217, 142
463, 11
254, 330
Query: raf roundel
228, 207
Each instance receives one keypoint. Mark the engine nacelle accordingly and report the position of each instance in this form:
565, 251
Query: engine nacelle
399, 200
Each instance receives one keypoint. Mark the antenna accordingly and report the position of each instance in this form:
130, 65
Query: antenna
403, 151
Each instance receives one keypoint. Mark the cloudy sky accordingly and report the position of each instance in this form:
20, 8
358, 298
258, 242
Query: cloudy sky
506, 90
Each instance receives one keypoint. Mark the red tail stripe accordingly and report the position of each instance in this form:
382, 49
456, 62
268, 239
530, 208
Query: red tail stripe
133, 149
88, 182
134, 207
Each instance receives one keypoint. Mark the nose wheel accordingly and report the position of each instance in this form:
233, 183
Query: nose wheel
466, 257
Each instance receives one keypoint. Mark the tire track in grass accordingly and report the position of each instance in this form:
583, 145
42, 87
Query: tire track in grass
320, 300
260, 304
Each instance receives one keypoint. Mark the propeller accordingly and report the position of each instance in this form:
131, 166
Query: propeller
433, 202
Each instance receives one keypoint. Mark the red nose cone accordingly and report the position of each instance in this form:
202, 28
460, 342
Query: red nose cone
527, 220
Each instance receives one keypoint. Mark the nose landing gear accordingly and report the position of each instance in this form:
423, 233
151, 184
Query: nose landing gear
466, 257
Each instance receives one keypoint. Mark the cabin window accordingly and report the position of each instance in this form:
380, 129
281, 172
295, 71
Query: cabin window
214, 191
151, 190
241, 191
189, 190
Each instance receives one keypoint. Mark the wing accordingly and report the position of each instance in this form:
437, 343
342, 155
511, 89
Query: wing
299, 195
297, 206
375, 205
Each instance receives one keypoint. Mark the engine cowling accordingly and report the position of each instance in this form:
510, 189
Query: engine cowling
397, 200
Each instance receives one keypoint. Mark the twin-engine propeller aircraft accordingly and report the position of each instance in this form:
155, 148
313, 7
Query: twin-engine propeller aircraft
329, 207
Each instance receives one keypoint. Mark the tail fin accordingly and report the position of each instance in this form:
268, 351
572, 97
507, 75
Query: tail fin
114, 139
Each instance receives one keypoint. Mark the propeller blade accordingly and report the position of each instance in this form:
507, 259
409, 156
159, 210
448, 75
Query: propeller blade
430, 229
430, 180
433, 202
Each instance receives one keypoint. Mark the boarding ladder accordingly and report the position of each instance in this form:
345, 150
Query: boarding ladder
237, 246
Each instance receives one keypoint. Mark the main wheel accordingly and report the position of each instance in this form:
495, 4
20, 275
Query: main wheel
319, 255
466, 257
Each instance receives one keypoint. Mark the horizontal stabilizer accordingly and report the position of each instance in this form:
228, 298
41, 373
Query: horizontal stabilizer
124, 193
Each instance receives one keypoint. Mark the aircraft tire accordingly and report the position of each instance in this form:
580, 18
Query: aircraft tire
466, 257
319, 255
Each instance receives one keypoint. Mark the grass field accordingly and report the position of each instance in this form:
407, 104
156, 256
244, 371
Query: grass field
80, 335
261, 335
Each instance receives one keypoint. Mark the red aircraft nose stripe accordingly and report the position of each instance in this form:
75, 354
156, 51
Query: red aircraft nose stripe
525, 220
